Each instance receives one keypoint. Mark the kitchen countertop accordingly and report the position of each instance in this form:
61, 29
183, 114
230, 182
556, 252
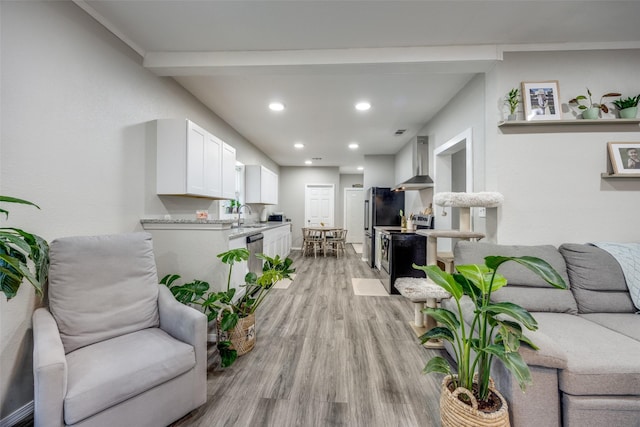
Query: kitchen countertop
255, 228
185, 224
209, 224
396, 229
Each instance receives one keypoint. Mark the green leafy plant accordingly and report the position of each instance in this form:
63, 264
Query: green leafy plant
496, 329
577, 101
513, 99
224, 305
16, 247
621, 103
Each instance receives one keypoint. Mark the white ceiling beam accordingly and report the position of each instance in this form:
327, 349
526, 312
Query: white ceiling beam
199, 63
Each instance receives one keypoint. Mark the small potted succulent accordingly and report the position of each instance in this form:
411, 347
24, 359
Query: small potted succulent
628, 108
592, 109
512, 100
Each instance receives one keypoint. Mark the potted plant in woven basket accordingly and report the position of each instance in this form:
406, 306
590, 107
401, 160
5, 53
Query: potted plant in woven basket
495, 330
234, 317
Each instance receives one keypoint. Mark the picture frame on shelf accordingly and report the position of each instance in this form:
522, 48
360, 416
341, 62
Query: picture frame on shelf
625, 157
541, 100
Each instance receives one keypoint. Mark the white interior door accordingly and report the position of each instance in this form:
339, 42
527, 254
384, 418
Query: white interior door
354, 214
319, 205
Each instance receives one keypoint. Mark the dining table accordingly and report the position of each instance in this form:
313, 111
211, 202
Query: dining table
324, 232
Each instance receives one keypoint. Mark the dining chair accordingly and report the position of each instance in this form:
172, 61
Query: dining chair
337, 242
312, 240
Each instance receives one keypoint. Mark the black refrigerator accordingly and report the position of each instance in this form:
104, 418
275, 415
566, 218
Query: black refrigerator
381, 207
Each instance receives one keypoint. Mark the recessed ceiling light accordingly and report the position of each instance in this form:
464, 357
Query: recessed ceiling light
276, 106
353, 146
363, 106
360, 168
308, 162
298, 145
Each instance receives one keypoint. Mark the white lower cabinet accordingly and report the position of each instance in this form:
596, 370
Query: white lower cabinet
240, 269
277, 241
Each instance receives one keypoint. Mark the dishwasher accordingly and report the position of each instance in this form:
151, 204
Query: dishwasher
254, 246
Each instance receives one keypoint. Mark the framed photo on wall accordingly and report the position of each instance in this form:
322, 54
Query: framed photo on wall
625, 157
541, 100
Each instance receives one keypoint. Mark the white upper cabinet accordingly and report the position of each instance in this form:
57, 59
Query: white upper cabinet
261, 185
228, 171
193, 162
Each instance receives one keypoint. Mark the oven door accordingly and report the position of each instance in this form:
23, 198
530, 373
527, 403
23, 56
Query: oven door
385, 242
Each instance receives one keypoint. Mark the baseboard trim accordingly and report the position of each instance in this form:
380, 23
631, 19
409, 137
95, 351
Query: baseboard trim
18, 415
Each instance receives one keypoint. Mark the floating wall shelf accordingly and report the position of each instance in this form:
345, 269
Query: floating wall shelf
569, 126
619, 175
580, 122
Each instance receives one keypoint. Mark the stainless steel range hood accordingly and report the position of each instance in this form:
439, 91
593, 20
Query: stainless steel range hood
420, 163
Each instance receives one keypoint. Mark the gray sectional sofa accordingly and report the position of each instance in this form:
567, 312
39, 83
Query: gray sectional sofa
587, 370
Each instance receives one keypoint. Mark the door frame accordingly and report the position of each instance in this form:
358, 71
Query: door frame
443, 180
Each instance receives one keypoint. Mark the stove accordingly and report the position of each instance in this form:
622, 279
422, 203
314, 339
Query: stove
401, 249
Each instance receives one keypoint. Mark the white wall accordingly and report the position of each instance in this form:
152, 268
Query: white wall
551, 179
292, 194
465, 111
379, 171
76, 140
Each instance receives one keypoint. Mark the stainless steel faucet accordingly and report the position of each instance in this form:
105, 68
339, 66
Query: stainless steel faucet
240, 213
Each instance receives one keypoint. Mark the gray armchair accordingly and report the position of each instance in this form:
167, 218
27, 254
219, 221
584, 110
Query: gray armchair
114, 348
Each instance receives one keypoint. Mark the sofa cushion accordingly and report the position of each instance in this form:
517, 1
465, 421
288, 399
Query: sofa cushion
101, 287
625, 323
600, 361
112, 371
597, 281
525, 288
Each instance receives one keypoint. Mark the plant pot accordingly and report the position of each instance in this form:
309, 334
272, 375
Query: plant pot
629, 113
455, 413
512, 117
242, 336
590, 113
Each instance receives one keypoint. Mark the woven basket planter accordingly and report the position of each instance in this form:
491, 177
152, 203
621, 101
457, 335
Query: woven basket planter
242, 336
454, 413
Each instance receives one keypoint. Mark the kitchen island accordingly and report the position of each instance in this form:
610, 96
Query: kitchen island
189, 247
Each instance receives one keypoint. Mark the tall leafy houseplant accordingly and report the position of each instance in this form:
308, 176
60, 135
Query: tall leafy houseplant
16, 247
224, 305
496, 328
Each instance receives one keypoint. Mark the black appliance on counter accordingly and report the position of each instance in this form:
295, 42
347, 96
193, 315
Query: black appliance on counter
382, 206
400, 250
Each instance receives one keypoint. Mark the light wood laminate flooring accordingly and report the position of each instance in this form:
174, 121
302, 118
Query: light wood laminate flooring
326, 357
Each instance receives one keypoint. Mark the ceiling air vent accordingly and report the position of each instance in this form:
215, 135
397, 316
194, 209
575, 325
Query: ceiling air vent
400, 132
316, 158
